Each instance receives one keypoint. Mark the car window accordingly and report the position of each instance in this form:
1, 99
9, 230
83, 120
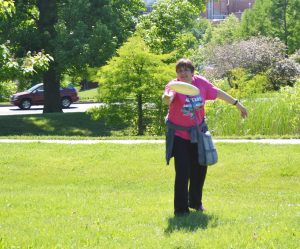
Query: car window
40, 89
35, 87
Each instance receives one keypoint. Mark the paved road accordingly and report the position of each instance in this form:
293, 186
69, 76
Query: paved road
14, 110
264, 141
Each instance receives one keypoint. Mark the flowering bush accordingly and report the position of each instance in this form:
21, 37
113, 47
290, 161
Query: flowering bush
256, 55
283, 73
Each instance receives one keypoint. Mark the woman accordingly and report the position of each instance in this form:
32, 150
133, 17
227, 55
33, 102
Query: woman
187, 111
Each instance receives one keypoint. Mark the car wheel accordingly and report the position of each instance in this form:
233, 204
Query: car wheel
25, 104
66, 102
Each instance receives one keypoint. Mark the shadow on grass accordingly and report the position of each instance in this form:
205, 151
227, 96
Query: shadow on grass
55, 124
191, 222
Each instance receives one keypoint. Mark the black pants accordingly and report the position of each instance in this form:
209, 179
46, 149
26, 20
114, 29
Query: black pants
190, 176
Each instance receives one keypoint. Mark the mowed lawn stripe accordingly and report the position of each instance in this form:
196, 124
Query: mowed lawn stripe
121, 196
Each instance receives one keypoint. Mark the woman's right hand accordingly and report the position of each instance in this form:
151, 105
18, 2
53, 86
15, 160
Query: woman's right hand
168, 98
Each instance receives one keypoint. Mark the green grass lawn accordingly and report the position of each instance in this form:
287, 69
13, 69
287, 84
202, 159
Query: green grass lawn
88, 95
121, 196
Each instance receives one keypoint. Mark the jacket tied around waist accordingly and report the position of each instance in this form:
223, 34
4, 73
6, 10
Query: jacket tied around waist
207, 154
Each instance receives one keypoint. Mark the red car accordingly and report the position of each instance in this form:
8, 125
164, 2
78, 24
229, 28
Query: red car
35, 96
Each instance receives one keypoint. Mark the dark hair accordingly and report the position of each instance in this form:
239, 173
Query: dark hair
186, 64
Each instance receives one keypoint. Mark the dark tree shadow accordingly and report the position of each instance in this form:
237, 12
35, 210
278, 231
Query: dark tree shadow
191, 222
56, 124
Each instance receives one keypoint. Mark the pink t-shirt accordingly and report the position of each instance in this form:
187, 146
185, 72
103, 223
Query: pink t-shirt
181, 109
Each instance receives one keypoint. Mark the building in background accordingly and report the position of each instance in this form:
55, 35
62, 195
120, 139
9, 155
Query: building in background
217, 10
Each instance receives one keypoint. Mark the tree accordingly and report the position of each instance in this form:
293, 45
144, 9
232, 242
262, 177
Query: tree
276, 18
13, 67
51, 78
77, 34
132, 84
256, 21
7, 8
286, 22
226, 32
170, 21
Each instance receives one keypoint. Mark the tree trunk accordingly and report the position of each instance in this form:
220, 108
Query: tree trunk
52, 101
140, 114
228, 75
285, 27
46, 22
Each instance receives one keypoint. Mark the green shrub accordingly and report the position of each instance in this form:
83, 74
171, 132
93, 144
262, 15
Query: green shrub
7, 88
123, 116
283, 73
246, 85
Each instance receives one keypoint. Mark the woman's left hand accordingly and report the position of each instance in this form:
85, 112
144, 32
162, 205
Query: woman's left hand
243, 110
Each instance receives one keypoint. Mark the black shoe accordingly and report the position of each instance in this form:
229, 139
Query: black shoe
181, 213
